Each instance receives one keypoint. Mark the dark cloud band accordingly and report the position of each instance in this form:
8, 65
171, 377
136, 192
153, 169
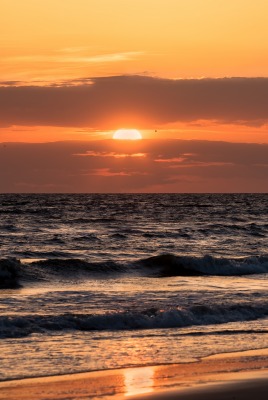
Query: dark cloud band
107, 102
143, 166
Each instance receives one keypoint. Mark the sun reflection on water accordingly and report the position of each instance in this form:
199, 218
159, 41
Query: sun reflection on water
138, 381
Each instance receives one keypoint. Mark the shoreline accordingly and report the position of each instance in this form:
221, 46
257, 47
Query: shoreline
221, 373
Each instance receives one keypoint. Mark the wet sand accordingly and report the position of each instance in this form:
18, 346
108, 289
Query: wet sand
244, 389
242, 375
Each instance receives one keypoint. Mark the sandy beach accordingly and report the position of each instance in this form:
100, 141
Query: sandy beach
226, 376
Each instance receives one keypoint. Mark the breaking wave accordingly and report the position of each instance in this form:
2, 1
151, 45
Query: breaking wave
171, 265
12, 271
11, 326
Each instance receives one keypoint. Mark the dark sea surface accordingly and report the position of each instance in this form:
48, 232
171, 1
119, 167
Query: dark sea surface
93, 281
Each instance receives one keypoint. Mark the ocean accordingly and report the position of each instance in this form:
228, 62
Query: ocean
101, 281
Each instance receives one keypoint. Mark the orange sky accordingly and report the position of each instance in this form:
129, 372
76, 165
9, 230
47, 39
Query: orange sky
80, 69
53, 40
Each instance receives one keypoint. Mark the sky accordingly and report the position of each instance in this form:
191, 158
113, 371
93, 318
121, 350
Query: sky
190, 75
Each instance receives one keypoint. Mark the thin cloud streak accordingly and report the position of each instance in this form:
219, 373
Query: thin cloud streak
102, 58
111, 154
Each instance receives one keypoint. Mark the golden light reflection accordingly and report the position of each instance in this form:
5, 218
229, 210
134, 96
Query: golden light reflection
138, 380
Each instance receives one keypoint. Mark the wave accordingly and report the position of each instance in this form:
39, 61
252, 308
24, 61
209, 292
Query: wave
171, 265
11, 326
9, 273
73, 265
166, 265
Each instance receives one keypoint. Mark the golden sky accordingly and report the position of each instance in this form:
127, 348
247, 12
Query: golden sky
51, 40
174, 69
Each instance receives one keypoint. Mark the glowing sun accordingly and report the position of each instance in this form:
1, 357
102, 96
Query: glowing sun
127, 134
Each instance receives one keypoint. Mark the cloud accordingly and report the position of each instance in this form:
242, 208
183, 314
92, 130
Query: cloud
109, 102
111, 154
103, 172
191, 166
101, 58
170, 160
11, 83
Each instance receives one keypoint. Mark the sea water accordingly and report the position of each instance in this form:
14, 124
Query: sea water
92, 282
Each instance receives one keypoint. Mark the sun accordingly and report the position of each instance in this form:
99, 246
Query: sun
127, 134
